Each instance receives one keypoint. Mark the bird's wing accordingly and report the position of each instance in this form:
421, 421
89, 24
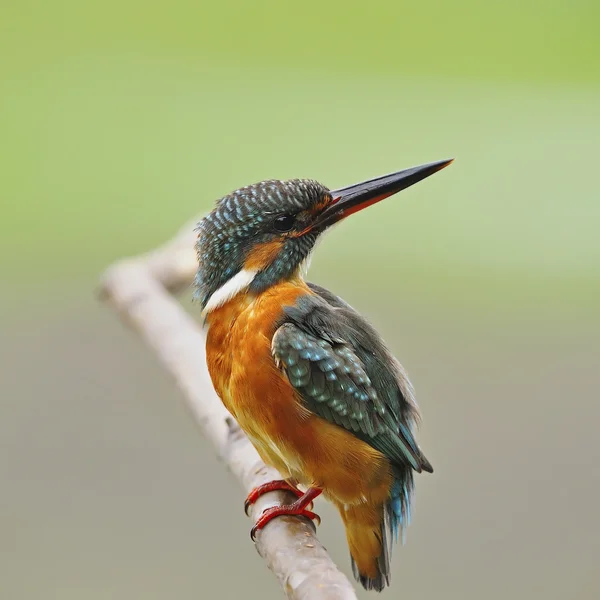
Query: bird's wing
343, 373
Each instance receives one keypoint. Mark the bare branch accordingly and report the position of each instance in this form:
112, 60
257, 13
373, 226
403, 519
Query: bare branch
139, 289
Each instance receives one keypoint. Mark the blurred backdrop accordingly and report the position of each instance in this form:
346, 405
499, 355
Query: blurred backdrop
121, 120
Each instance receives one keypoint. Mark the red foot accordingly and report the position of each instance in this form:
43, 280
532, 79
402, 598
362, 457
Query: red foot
297, 508
278, 484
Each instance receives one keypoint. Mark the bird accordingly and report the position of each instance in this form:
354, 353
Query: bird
308, 379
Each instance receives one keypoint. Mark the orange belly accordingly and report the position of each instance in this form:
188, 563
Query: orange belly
300, 445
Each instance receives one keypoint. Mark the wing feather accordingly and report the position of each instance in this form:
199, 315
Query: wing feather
344, 374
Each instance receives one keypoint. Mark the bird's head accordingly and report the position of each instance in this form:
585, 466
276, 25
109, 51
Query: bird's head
263, 234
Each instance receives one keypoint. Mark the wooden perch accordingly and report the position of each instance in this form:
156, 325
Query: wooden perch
140, 289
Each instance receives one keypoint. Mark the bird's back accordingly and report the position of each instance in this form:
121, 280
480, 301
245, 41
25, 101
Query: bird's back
390, 413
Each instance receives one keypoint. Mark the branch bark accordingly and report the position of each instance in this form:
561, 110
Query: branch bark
141, 290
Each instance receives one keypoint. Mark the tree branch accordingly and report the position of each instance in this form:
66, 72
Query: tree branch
140, 290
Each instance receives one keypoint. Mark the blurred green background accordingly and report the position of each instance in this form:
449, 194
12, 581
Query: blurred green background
119, 121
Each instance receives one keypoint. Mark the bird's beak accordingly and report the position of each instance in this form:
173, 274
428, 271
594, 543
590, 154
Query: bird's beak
355, 197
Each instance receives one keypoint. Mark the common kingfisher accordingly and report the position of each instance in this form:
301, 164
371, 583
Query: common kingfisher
307, 378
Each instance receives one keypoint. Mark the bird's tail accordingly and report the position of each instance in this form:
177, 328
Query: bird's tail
372, 529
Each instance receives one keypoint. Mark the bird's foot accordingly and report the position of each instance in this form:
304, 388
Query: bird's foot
298, 508
272, 486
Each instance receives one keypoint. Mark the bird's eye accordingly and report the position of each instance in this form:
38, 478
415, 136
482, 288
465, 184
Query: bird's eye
284, 223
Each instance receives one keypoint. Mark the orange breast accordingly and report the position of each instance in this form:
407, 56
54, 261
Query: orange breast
301, 445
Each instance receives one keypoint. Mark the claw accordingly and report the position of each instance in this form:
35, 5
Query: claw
271, 486
298, 508
280, 511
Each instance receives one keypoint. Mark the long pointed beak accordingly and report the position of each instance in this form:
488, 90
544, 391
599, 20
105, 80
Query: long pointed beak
353, 198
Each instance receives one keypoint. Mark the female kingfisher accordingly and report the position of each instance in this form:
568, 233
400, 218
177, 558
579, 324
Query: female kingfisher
307, 378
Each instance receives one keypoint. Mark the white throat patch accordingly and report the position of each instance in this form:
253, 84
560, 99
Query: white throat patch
231, 288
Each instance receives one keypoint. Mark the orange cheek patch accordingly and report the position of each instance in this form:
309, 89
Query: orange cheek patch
263, 255
321, 206
314, 212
